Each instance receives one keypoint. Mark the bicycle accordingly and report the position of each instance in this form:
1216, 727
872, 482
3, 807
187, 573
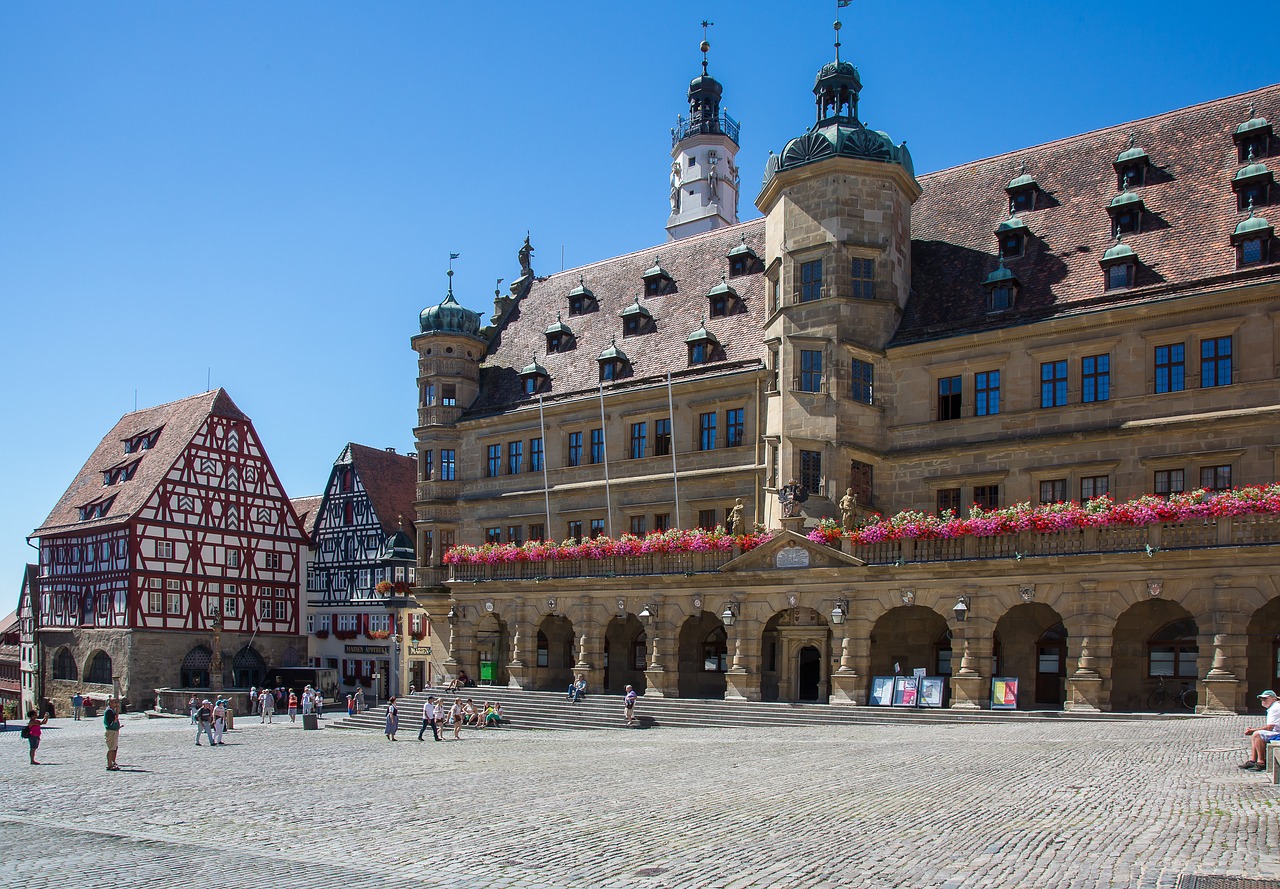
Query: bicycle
1166, 693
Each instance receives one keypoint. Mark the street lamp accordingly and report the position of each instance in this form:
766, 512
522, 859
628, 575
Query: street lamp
730, 613
961, 609
646, 614
840, 612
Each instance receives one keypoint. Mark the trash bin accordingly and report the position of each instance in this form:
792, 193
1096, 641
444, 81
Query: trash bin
231, 719
488, 672
310, 722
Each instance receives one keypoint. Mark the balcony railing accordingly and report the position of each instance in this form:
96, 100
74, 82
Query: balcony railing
1246, 530
724, 124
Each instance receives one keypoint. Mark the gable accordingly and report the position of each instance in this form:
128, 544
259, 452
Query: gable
787, 551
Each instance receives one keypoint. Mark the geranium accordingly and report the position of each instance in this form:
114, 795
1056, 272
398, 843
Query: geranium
671, 540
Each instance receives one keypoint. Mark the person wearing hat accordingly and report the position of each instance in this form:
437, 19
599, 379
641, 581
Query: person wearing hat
204, 721
219, 721
1259, 736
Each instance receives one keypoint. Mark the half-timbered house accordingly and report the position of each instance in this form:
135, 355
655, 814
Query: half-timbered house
362, 565
29, 660
173, 542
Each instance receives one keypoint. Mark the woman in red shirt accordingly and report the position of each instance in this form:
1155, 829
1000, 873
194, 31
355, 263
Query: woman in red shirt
33, 732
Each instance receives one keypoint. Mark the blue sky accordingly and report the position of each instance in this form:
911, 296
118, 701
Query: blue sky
265, 195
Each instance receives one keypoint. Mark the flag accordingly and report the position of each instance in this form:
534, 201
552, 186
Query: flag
454, 255
843, 3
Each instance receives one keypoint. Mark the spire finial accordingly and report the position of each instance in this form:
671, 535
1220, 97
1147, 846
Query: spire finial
1250, 157
452, 257
1250, 206
836, 26
496, 287
704, 46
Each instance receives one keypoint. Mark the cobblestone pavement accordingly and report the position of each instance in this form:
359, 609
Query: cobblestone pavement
1116, 804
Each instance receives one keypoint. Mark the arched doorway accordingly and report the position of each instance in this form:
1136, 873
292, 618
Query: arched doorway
194, 670
1153, 642
1031, 644
704, 657
1262, 651
625, 654
908, 637
247, 668
553, 653
795, 647
492, 654
98, 668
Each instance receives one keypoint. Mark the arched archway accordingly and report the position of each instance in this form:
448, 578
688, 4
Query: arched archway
795, 649
1262, 651
704, 657
98, 668
1031, 644
625, 654
492, 650
194, 670
1152, 640
64, 665
554, 653
247, 668
910, 636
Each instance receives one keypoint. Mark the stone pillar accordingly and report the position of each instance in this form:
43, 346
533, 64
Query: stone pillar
970, 688
517, 667
589, 645
848, 683
659, 681
1220, 689
743, 677
1086, 690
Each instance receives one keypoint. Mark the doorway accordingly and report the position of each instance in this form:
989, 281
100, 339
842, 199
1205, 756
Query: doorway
809, 673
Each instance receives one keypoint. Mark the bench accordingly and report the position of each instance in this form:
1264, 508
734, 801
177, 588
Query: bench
1273, 761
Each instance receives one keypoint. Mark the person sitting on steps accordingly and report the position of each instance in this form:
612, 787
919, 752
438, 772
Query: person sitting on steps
577, 689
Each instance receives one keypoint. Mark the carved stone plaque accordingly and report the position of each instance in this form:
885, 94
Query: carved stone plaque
792, 557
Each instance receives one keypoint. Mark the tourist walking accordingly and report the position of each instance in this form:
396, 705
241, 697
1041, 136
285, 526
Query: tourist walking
393, 719
293, 706
31, 731
351, 706
429, 719
253, 699
629, 705
455, 716
359, 700
77, 706
111, 725
219, 720
266, 705
204, 721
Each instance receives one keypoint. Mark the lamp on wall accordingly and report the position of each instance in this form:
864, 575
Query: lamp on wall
840, 612
456, 612
730, 613
961, 609
646, 614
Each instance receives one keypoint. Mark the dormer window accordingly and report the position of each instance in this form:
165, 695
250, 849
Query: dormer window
143, 441
1022, 192
1252, 184
1002, 289
533, 378
96, 509
1011, 236
582, 300
1252, 137
1131, 166
724, 300
636, 320
120, 473
703, 347
744, 261
613, 363
1119, 265
1253, 240
1125, 211
559, 337
657, 282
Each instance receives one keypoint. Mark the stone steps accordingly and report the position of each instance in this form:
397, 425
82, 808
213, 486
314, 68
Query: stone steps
547, 710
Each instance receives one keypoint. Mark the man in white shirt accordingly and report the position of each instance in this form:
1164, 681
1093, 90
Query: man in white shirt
1260, 735
429, 719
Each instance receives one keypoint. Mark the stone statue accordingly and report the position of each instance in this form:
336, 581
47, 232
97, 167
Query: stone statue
791, 495
733, 522
848, 509
675, 186
713, 181
526, 269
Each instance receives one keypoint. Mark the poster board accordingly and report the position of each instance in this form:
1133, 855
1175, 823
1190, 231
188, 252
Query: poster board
881, 691
904, 691
932, 691
1004, 693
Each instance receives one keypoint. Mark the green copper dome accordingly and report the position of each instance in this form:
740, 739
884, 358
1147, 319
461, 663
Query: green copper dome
1254, 123
636, 309
398, 547
1252, 225
1000, 276
1124, 199
449, 317
1131, 154
1252, 171
1012, 226
1119, 251
1026, 180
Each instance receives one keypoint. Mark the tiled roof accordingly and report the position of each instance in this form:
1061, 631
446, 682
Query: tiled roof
390, 479
308, 510
178, 421
1185, 242
696, 263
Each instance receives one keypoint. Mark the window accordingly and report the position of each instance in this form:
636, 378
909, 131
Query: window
1094, 486
661, 437
810, 371
447, 468
707, 431
661, 521
64, 666
154, 603
864, 279
173, 603
1215, 478
230, 606
164, 549
637, 525
515, 457
1119, 276
986, 496
543, 648
428, 394
1053, 384
949, 398
1173, 650
233, 558
535, 455
493, 535
282, 610
707, 519
348, 512
449, 394
1251, 251
699, 352
1011, 245
1095, 378
597, 528
426, 466
531, 384
1171, 368
733, 425
948, 499
173, 584
1000, 297
1170, 481
1024, 199
862, 375
99, 670
811, 281
515, 534
537, 532
986, 393
574, 456
1215, 362
597, 445
639, 434
860, 481
1132, 175
574, 530
811, 470
274, 561
1053, 490
493, 460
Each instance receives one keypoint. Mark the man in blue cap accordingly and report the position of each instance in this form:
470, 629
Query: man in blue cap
1259, 736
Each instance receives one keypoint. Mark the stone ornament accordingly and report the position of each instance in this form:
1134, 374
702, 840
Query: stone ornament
908, 597
697, 602
551, 603
791, 557
1028, 593
1154, 588
792, 599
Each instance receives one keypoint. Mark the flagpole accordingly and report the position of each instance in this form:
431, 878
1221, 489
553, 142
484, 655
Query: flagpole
671, 423
546, 490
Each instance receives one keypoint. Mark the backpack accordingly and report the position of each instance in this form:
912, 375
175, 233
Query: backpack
26, 732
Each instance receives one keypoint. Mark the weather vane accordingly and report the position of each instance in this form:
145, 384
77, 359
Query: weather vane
705, 45
840, 4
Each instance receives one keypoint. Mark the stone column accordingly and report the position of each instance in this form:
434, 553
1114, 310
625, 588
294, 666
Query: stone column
970, 687
1086, 690
1221, 690
517, 668
849, 680
659, 681
589, 646
743, 678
